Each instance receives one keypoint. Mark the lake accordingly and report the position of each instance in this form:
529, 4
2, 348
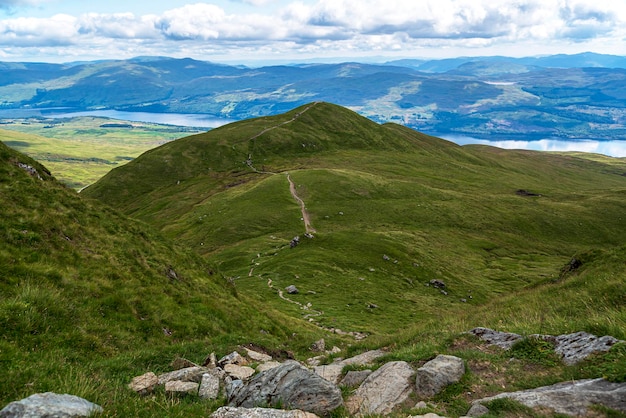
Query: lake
614, 148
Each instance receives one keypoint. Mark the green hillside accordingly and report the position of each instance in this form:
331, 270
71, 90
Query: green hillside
90, 298
393, 209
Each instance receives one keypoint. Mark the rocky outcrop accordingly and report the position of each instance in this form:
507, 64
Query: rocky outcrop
572, 348
231, 412
571, 398
50, 405
354, 378
144, 384
438, 373
290, 385
383, 390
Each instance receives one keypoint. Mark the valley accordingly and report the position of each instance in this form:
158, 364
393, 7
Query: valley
406, 242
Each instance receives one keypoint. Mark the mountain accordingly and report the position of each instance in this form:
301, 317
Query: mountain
90, 298
393, 209
561, 96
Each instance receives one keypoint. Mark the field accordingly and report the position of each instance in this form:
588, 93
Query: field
81, 150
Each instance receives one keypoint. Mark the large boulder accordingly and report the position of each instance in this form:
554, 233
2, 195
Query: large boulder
383, 390
231, 412
291, 386
50, 405
571, 398
438, 373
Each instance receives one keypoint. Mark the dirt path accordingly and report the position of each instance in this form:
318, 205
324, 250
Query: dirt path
305, 214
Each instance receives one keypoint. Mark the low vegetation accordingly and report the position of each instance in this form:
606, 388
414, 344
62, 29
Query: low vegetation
417, 241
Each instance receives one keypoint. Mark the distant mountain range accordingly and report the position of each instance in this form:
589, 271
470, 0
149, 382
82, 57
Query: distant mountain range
559, 96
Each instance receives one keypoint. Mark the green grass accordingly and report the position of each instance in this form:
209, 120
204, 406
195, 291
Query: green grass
79, 150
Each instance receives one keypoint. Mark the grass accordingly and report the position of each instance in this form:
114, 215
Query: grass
80, 150
393, 210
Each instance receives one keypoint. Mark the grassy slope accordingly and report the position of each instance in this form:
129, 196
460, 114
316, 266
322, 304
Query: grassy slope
85, 298
441, 211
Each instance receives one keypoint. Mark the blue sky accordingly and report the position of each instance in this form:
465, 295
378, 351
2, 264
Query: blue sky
248, 31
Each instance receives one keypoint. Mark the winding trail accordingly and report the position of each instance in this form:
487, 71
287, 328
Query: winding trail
305, 214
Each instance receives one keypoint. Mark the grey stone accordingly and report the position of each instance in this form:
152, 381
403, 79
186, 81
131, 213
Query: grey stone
477, 410
267, 366
256, 356
501, 339
355, 378
364, 358
433, 376
209, 386
144, 384
233, 358
428, 415
50, 404
232, 412
232, 386
578, 346
177, 387
330, 372
292, 290
238, 372
182, 363
291, 385
318, 346
189, 374
571, 398
383, 390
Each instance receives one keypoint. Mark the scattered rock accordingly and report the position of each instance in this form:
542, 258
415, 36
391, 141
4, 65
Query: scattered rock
189, 374
330, 372
210, 361
291, 385
318, 346
256, 356
144, 384
238, 372
267, 366
501, 339
383, 390
231, 412
571, 398
433, 376
294, 242
364, 358
181, 363
437, 284
292, 290
209, 387
50, 405
477, 410
386, 257
578, 346
354, 378
177, 387
233, 358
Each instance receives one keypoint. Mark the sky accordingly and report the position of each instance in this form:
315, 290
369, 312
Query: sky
249, 31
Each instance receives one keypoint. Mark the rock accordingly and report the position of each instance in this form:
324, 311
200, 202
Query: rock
318, 346
571, 398
383, 390
239, 372
291, 385
578, 346
232, 386
428, 415
292, 290
421, 405
314, 361
477, 410
233, 358
433, 376
50, 405
144, 384
364, 358
256, 356
267, 366
354, 378
437, 284
501, 339
177, 387
231, 412
210, 361
330, 372
189, 374
181, 363
209, 387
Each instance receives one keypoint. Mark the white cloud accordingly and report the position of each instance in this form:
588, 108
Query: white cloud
333, 26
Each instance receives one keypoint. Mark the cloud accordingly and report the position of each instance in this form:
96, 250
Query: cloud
325, 26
